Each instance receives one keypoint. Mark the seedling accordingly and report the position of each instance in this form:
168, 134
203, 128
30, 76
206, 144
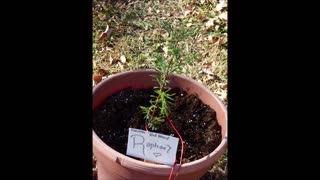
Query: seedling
159, 110
156, 113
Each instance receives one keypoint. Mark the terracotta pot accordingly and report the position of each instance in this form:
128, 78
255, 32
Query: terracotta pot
113, 165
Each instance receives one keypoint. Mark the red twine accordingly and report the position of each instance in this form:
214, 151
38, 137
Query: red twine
182, 149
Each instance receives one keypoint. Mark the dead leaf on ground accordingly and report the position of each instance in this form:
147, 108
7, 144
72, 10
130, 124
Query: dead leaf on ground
108, 48
224, 16
141, 37
186, 13
212, 39
207, 71
189, 24
106, 34
120, 66
223, 95
97, 78
102, 50
123, 59
208, 78
221, 5
165, 35
110, 59
150, 10
221, 41
191, 8
223, 85
200, 17
102, 72
165, 50
209, 23
207, 64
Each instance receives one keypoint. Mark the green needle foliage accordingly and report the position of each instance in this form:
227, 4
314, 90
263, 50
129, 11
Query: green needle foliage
156, 113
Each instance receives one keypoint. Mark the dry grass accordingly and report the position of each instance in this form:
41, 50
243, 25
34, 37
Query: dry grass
128, 33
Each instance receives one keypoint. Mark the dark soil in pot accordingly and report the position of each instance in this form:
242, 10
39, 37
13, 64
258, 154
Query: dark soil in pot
195, 121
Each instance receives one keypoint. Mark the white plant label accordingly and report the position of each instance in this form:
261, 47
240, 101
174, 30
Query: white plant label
151, 146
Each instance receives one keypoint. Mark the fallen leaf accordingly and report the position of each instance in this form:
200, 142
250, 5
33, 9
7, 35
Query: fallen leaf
120, 30
97, 78
165, 35
200, 17
223, 85
106, 33
102, 50
212, 39
208, 78
185, 14
223, 95
165, 50
113, 72
149, 10
207, 71
190, 8
221, 41
94, 64
189, 24
209, 23
224, 16
108, 48
155, 31
221, 5
207, 64
102, 72
120, 66
110, 59
123, 59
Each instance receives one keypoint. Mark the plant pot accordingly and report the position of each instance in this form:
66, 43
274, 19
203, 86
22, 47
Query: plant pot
114, 165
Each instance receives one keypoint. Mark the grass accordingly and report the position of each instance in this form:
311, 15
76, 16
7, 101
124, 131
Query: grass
138, 30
